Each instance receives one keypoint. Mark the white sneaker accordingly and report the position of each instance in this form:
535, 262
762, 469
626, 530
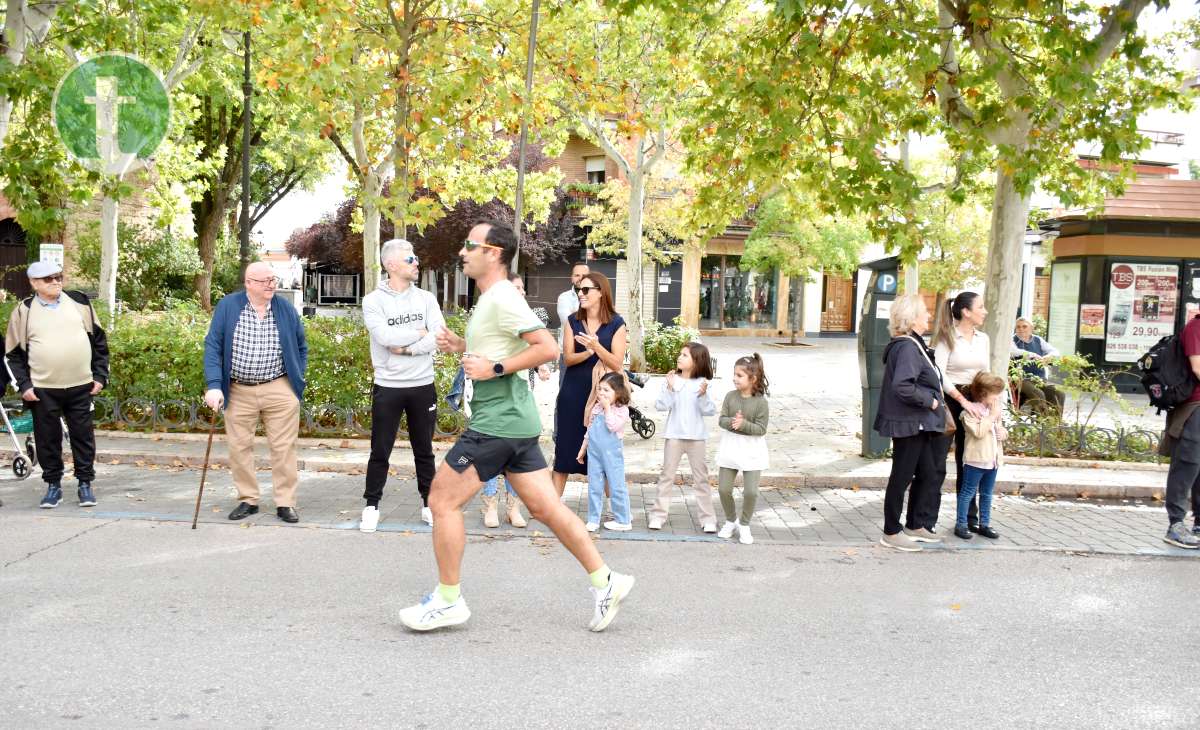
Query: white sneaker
656, 523
592, 526
617, 526
608, 599
433, 613
370, 519
427, 516
726, 530
709, 527
744, 536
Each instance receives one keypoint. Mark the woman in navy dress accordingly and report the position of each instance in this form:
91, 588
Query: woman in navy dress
599, 335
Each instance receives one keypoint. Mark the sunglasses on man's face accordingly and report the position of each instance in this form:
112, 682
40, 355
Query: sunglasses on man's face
410, 260
52, 278
583, 291
470, 245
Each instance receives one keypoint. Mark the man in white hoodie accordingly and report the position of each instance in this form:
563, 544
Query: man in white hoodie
402, 320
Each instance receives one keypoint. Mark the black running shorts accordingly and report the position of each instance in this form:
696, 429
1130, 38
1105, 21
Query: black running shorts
492, 455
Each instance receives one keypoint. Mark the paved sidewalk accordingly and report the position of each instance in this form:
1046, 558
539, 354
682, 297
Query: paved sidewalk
844, 518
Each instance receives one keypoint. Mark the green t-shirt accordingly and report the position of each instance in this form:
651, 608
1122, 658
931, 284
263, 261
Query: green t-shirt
502, 406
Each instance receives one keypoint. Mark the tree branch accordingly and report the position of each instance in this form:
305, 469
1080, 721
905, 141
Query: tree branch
191, 33
333, 137
608, 147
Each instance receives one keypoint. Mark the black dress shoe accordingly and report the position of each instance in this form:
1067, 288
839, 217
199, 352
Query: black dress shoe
243, 510
964, 533
973, 526
988, 532
287, 514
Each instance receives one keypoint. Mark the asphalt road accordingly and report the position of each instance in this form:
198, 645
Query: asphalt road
134, 623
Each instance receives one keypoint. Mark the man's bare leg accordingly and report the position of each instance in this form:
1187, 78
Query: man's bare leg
560, 482
536, 490
449, 493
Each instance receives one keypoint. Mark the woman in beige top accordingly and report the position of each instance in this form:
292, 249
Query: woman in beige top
960, 351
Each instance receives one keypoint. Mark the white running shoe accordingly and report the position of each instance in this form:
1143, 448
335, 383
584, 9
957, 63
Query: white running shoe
726, 530
744, 536
617, 526
592, 526
434, 613
709, 527
656, 523
608, 599
370, 519
427, 516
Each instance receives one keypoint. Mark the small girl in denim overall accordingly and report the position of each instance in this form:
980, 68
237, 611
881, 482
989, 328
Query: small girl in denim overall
605, 455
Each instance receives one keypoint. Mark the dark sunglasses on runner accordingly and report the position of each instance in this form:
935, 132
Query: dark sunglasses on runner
472, 245
583, 291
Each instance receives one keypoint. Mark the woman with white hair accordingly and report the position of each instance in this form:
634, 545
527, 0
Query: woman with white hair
913, 414
403, 321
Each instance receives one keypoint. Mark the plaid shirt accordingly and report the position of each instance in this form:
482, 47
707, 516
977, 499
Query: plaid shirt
257, 357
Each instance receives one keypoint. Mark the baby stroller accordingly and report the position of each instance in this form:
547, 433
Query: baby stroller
642, 426
22, 465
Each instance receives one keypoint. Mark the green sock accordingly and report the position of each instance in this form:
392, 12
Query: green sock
449, 594
600, 576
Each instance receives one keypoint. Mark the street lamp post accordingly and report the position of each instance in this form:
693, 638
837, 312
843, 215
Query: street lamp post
247, 91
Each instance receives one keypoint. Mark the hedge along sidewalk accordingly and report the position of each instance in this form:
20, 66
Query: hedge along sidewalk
643, 460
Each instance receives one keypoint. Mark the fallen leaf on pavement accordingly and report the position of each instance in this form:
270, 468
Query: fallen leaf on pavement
139, 463
115, 462
955, 606
245, 525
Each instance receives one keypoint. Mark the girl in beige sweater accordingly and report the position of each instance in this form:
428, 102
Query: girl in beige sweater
983, 452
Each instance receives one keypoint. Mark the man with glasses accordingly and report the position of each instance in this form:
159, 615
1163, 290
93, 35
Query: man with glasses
401, 319
57, 354
568, 304
503, 338
255, 356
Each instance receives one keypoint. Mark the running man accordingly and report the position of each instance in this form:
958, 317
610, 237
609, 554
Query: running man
503, 339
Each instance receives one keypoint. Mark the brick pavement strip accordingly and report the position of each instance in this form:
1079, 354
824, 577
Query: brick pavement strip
843, 518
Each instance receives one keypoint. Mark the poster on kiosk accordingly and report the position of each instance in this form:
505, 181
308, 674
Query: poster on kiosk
1142, 304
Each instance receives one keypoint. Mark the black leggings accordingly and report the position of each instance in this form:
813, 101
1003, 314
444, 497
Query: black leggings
387, 405
912, 463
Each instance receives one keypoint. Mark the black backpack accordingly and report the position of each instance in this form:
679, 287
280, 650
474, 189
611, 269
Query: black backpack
1167, 374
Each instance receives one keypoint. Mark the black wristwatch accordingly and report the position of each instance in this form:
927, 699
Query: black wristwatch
498, 368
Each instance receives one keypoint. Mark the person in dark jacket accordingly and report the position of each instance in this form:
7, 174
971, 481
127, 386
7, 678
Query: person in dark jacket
913, 414
255, 356
57, 353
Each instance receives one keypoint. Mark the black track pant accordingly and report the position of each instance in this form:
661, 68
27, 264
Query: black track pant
914, 471
387, 405
74, 405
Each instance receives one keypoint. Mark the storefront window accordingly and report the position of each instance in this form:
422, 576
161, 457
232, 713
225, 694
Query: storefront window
710, 292
732, 298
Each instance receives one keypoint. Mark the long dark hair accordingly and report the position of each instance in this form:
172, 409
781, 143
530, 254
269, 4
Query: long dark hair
607, 310
951, 314
753, 365
701, 361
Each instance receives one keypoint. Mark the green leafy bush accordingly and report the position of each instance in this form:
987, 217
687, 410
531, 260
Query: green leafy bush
159, 356
153, 265
662, 345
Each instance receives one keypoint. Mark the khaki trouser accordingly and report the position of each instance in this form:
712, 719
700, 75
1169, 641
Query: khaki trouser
277, 405
696, 454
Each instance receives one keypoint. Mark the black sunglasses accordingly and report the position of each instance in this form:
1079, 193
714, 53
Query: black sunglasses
583, 291
52, 277
472, 245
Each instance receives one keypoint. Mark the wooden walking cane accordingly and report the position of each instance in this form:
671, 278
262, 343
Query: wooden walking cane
204, 472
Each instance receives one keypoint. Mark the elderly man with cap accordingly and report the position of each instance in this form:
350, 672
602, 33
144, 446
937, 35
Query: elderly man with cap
255, 356
57, 353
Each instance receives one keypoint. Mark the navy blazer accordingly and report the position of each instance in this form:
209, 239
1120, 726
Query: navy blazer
910, 385
218, 343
